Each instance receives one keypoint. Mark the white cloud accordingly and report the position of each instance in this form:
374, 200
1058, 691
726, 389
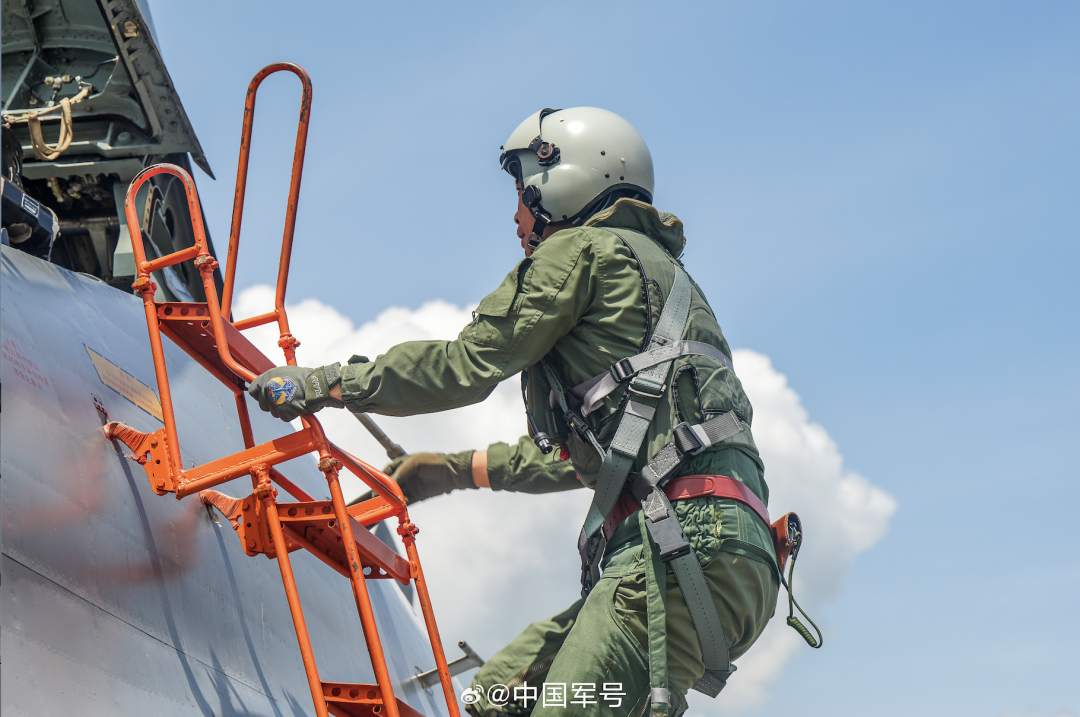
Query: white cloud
498, 561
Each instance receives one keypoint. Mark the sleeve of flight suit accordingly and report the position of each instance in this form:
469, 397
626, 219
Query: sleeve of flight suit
512, 328
522, 468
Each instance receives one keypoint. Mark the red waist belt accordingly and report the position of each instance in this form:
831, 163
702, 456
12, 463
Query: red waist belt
685, 487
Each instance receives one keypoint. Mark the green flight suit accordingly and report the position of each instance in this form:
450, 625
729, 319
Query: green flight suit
581, 302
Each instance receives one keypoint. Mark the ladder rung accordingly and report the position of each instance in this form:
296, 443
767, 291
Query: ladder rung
310, 525
315, 523
354, 700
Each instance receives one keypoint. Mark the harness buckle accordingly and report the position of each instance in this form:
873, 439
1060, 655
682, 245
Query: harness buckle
660, 700
668, 535
686, 440
646, 388
621, 370
590, 550
664, 527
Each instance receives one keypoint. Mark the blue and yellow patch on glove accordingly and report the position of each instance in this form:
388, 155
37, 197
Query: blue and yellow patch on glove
281, 389
287, 392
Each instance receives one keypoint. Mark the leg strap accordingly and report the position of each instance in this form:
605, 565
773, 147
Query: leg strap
664, 529
715, 652
655, 586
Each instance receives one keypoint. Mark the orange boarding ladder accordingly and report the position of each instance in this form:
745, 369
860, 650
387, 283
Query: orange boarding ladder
333, 532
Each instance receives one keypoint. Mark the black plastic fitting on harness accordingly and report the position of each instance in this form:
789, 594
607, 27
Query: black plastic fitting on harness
590, 572
668, 536
686, 440
663, 526
646, 387
621, 370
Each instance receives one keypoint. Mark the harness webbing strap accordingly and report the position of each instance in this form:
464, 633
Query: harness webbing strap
714, 645
645, 389
599, 387
656, 621
672, 547
663, 464
690, 440
686, 487
708, 433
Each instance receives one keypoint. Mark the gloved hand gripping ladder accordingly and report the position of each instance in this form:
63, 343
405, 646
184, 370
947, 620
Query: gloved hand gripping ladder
330, 530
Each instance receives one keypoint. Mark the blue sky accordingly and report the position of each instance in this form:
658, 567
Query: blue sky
881, 197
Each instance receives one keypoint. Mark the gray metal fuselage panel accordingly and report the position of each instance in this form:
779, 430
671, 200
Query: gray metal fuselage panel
116, 601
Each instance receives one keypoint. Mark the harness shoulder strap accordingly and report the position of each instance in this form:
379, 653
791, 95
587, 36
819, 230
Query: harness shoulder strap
646, 388
599, 387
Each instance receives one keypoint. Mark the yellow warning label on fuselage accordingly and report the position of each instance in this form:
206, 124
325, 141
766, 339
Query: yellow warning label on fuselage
126, 385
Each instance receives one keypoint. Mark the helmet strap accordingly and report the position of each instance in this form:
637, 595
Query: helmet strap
537, 234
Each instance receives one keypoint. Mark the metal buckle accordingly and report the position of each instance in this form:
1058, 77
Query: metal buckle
660, 700
621, 370
641, 386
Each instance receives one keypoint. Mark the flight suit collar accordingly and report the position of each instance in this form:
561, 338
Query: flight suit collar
644, 218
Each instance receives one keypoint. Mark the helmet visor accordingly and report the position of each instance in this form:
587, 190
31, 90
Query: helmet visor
511, 164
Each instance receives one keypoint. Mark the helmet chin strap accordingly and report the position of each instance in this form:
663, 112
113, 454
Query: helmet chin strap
531, 198
537, 234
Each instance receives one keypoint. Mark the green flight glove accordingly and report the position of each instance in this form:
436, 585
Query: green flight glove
426, 475
290, 391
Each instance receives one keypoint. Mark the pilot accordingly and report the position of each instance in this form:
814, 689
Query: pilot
629, 391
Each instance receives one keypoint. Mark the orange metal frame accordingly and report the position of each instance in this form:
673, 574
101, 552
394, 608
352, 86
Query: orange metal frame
335, 533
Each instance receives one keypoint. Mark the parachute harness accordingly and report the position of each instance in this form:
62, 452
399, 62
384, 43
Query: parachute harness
645, 378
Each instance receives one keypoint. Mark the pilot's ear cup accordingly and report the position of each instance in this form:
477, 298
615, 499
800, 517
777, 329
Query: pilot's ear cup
531, 197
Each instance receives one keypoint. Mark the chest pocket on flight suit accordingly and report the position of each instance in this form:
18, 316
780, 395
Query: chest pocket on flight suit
490, 325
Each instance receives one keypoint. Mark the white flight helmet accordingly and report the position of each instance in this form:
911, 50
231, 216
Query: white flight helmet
573, 162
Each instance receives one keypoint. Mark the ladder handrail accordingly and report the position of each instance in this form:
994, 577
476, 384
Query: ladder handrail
299, 150
200, 255
198, 252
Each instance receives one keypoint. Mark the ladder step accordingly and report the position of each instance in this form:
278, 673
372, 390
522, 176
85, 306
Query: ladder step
354, 700
310, 525
188, 324
315, 523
